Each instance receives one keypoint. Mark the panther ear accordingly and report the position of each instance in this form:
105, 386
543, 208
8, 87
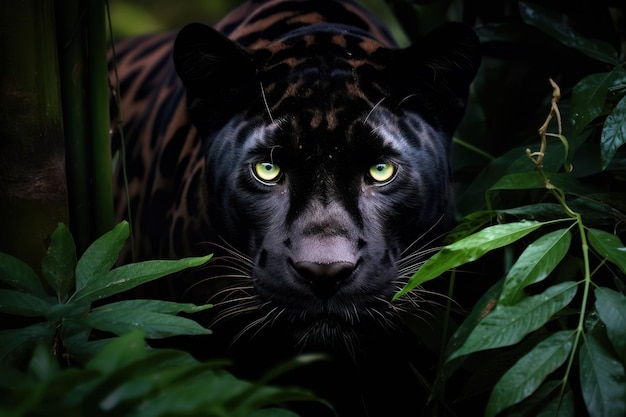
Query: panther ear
216, 72
434, 74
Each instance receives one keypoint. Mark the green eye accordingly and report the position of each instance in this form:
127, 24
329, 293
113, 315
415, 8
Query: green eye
382, 172
267, 172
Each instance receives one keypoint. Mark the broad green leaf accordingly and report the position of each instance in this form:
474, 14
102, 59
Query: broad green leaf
547, 401
507, 325
613, 133
470, 224
592, 212
611, 307
58, 312
43, 364
22, 304
589, 96
119, 352
58, 265
155, 325
609, 246
208, 395
17, 342
602, 380
469, 249
18, 274
559, 406
134, 382
553, 24
528, 373
519, 181
129, 276
157, 306
535, 264
80, 347
101, 255
215, 393
538, 212
532, 180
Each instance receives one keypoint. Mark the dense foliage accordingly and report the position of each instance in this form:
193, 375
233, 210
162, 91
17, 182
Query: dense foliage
540, 170
74, 322
546, 205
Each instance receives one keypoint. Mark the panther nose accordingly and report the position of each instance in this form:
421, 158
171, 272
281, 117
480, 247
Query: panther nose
324, 278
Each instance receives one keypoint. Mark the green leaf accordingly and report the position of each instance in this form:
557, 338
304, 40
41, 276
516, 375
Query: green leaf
507, 325
81, 349
589, 96
538, 212
554, 25
547, 401
129, 276
613, 133
18, 274
609, 246
528, 373
43, 364
158, 306
58, 312
560, 406
602, 380
519, 181
101, 255
532, 180
469, 249
16, 343
470, 224
535, 264
119, 352
135, 382
58, 265
155, 325
611, 307
22, 304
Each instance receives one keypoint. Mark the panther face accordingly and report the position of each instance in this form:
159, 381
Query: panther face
326, 164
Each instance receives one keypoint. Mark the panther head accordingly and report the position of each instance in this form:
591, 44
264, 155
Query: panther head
326, 163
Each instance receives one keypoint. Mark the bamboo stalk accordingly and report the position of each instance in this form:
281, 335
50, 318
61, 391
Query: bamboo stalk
81, 33
72, 75
33, 195
98, 113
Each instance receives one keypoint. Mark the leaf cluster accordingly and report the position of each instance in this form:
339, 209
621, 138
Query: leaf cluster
60, 308
126, 379
55, 365
553, 323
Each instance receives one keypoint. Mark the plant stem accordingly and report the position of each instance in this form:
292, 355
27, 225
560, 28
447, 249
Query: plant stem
560, 197
473, 148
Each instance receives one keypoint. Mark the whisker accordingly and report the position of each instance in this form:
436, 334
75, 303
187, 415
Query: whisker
405, 99
267, 107
372, 110
426, 233
260, 322
237, 310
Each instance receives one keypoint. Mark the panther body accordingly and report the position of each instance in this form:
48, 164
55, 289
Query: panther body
299, 138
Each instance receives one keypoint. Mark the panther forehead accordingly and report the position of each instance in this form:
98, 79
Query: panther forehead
332, 43
322, 70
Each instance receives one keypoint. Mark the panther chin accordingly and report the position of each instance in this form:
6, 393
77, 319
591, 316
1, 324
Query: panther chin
327, 305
